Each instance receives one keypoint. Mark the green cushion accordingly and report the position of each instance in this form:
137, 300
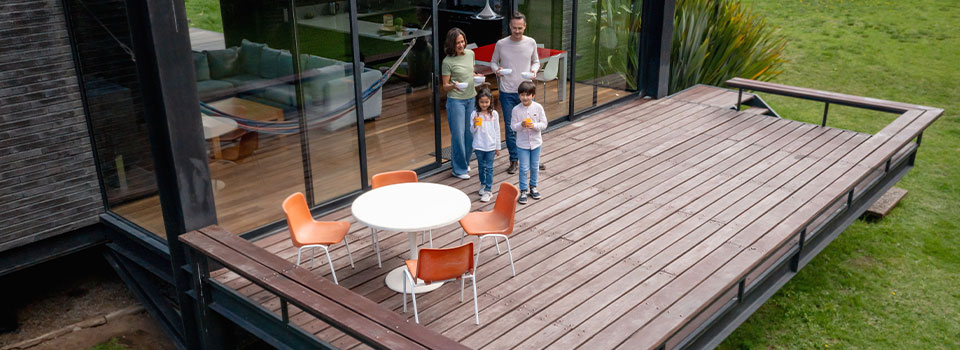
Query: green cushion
208, 89
242, 79
200, 66
269, 62
283, 94
250, 56
285, 65
223, 63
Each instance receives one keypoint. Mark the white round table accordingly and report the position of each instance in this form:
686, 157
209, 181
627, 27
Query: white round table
410, 207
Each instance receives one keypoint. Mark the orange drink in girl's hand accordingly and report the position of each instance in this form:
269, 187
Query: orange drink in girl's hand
477, 121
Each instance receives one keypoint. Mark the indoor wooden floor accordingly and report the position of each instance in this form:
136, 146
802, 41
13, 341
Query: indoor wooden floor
401, 138
651, 212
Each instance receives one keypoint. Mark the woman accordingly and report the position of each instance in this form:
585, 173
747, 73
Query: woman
457, 67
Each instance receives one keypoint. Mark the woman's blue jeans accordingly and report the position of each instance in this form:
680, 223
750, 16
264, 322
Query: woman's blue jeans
461, 140
529, 161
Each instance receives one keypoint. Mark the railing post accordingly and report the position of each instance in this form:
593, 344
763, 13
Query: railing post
740, 289
211, 332
826, 107
850, 198
795, 261
919, 137
283, 310
739, 97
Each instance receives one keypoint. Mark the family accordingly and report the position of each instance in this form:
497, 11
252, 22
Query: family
515, 61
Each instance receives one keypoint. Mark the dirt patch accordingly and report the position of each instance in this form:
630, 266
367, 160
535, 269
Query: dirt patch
63, 292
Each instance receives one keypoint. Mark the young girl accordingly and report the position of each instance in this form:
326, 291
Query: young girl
485, 126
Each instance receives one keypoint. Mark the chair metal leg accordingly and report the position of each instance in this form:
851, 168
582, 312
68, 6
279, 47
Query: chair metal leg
376, 245
349, 254
476, 262
511, 256
332, 271
313, 255
462, 235
430, 232
497, 241
404, 291
299, 253
476, 308
461, 287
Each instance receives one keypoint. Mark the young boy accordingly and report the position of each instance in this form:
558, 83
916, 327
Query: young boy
528, 119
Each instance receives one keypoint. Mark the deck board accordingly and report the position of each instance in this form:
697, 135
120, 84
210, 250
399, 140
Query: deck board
651, 211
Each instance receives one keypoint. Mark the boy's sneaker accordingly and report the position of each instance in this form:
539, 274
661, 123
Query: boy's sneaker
485, 197
523, 197
534, 193
512, 169
481, 191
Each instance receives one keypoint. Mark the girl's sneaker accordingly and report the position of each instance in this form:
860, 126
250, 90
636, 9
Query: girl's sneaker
485, 197
523, 197
481, 191
534, 193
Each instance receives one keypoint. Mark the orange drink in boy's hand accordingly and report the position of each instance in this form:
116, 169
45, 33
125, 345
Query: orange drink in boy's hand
528, 122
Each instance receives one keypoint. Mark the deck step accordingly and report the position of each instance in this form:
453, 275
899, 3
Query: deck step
885, 204
755, 110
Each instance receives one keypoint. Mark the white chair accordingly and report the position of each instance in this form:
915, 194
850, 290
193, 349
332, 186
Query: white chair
549, 73
472, 46
539, 45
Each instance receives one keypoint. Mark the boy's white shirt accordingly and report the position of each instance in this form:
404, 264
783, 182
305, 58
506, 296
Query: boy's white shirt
528, 138
486, 138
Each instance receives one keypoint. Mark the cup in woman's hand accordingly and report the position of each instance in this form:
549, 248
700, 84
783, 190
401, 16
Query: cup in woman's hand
506, 71
479, 79
527, 75
462, 86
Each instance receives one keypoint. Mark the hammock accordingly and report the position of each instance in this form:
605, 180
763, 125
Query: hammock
313, 120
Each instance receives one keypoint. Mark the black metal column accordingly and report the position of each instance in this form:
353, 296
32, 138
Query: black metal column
358, 92
656, 41
161, 43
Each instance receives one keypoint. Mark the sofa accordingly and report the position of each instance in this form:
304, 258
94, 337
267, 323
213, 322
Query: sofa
256, 72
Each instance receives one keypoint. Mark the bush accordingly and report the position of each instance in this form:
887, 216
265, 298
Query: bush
715, 40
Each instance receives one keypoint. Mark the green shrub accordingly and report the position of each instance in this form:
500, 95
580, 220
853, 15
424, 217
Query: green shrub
715, 40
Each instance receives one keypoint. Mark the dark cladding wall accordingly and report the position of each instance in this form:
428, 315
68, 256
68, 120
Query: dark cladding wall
48, 180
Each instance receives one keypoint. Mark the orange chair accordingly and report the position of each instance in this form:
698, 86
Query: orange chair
309, 233
386, 179
441, 265
497, 223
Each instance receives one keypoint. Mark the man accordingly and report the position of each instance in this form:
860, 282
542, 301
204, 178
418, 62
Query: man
518, 53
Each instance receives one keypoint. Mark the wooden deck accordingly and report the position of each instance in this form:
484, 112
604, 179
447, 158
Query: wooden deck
653, 213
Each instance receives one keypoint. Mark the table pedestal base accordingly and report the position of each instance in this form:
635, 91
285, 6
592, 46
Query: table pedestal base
395, 282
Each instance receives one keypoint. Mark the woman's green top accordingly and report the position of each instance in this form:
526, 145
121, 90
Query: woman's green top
460, 69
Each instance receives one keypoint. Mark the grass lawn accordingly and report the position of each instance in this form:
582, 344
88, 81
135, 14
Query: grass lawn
892, 284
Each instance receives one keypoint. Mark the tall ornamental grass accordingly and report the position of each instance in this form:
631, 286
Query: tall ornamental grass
715, 40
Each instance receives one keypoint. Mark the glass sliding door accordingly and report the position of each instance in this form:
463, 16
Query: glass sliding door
608, 39
549, 22
399, 118
277, 101
326, 92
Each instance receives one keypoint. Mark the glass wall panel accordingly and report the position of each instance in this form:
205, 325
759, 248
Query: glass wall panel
399, 117
276, 115
327, 91
608, 39
549, 22
115, 108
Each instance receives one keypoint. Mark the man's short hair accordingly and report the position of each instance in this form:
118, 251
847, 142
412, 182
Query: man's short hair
520, 16
527, 87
